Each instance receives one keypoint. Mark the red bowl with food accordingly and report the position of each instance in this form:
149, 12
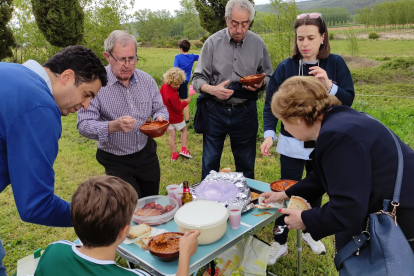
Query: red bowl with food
282, 185
166, 251
252, 80
155, 128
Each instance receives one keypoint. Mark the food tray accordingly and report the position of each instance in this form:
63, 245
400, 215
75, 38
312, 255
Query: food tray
156, 220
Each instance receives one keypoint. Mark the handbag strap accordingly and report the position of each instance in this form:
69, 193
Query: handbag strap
400, 169
354, 245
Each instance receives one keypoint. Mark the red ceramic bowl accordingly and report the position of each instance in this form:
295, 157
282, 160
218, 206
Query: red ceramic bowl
282, 185
165, 257
154, 129
252, 80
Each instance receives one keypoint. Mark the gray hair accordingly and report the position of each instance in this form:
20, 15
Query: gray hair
122, 37
245, 5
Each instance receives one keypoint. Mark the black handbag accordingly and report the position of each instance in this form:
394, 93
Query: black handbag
382, 249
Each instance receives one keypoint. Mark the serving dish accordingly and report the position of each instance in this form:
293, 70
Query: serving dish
168, 256
208, 217
158, 219
155, 128
252, 80
282, 185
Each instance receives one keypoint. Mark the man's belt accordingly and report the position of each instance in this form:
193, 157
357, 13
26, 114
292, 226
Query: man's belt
232, 105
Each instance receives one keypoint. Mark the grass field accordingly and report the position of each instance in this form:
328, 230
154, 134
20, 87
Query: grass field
383, 91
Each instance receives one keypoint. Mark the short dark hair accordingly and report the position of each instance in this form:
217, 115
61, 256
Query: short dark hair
100, 208
83, 61
184, 44
325, 48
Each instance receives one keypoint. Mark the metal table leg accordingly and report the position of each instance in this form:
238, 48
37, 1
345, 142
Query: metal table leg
299, 249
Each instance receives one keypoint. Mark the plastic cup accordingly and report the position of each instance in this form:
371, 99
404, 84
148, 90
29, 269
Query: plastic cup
171, 189
234, 216
178, 194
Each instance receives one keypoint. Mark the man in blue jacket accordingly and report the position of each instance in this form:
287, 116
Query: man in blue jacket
33, 98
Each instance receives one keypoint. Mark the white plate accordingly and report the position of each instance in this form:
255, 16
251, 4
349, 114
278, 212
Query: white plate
273, 205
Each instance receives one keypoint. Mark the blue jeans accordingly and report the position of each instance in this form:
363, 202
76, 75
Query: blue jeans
241, 125
292, 168
2, 254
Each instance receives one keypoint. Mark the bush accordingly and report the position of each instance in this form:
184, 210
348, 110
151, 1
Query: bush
331, 36
373, 35
399, 63
197, 45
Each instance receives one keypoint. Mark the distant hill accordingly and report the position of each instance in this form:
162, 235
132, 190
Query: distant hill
351, 5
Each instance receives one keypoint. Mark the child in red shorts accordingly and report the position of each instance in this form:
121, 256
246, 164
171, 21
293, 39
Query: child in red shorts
169, 92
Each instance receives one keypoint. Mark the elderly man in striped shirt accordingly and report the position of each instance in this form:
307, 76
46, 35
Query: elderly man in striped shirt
115, 115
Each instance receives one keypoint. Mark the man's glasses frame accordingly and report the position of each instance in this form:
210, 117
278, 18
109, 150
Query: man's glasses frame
313, 15
124, 60
236, 24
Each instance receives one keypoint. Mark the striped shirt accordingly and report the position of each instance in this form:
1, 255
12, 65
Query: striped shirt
140, 100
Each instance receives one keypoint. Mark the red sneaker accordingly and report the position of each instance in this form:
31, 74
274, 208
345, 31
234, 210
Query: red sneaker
175, 156
186, 153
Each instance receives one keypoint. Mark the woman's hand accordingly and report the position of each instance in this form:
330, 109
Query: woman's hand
266, 145
319, 73
293, 219
278, 197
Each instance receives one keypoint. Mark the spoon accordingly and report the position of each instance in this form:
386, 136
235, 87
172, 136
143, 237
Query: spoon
238, 74
279, 229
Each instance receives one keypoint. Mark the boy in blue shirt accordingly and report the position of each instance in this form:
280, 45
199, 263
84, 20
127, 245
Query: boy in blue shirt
185, 62
101, 212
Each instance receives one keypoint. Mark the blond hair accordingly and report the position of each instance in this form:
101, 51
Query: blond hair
302, 97
174, 76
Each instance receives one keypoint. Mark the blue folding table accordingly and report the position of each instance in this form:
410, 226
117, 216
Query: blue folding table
205, 253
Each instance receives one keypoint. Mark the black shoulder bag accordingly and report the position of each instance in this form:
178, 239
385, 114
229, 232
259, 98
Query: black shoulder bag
382, 249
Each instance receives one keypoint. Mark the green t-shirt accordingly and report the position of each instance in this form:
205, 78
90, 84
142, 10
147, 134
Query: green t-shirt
64, 259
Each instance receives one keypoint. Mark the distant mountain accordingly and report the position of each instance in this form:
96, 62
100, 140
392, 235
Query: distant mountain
351, 5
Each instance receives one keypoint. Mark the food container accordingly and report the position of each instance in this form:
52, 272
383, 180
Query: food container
156, 220
165, 257
154, 129
252, 80
282, 185
208, 217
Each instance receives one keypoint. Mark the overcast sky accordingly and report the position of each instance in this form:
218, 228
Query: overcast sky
170, 5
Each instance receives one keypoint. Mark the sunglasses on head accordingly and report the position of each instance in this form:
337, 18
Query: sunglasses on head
313, 15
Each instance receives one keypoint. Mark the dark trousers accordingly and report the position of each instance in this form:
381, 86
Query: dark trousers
241, 125
292, 168
140, 169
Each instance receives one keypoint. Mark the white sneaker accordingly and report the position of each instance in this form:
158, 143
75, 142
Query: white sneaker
316, 246
276, 251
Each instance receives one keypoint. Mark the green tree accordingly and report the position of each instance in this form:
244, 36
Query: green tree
152, 25
188, 15
61, 22
280, 22
6, 35
101, 18
212, 13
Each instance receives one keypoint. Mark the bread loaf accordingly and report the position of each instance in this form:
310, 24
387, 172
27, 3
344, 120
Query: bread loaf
138, 230
298, 203
226, 170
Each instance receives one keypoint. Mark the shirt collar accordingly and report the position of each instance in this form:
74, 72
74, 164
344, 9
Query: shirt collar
38, 69
112, 79
232, 42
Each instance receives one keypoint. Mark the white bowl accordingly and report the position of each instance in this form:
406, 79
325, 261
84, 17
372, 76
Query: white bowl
156, 220
208, 217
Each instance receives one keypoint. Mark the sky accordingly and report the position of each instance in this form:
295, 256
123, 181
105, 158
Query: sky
170, 5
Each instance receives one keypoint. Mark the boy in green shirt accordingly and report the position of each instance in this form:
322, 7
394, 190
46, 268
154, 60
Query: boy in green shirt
101, 212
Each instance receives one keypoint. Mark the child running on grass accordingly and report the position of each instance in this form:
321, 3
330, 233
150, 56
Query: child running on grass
169, 92
101, 213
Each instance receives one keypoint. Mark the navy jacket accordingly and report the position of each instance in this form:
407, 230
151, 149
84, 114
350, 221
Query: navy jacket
336, 70
355, 163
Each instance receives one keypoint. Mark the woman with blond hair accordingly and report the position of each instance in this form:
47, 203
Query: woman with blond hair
311, 57
355, 163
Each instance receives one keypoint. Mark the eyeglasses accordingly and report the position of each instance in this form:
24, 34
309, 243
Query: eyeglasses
124, 60
236, 24
313, 15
